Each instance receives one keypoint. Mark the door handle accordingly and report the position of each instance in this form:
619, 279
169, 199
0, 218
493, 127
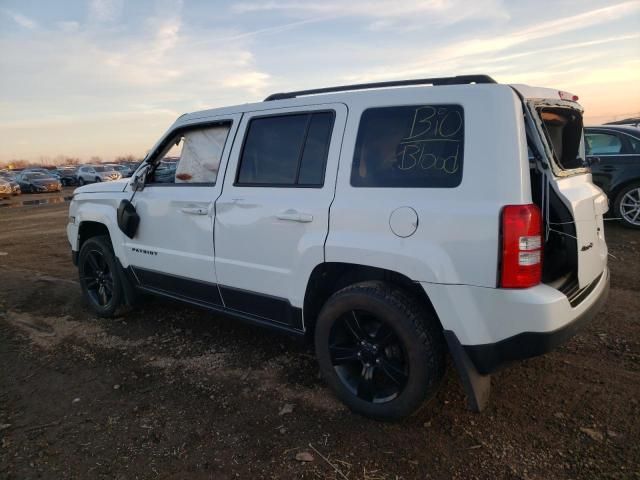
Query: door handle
195, 210
295, 216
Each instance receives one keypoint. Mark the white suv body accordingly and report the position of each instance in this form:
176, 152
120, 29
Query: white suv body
426, 222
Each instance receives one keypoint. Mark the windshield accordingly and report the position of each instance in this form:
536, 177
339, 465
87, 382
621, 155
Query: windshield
36, 176
102, 169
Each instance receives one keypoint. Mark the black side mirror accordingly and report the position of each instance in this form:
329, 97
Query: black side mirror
590, 161
128, 218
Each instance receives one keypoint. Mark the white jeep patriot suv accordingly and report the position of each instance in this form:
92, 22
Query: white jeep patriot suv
391, 222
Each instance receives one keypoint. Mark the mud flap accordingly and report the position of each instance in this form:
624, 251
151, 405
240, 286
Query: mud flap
128, 289
477, 387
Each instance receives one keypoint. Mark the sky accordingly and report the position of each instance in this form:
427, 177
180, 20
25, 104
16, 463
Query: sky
107, 77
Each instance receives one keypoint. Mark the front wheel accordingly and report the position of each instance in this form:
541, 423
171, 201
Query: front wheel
627, 206
81, 181
380, 351
99, 278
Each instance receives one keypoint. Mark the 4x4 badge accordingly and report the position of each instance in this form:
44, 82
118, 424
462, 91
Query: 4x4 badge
586, 247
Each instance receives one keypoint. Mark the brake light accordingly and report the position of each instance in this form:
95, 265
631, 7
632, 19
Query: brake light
521, 246
567, 96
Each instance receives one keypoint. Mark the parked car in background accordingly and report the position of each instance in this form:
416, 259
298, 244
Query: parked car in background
11, 179
38, 182
96, 173
5, 188
45, 171
166, 172
614, 155
68, 176
124, 170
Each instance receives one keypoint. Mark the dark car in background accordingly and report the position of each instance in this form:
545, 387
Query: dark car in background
46, 171
38, 182
68, 176
613, 152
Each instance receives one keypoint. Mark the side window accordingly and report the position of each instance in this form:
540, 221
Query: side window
634, 145
603, 144
286, 150
193, 156
409, 147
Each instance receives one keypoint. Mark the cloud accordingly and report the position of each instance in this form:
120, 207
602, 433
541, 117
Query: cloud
429, 11
68, 26
105, 10
21, 19
468, 53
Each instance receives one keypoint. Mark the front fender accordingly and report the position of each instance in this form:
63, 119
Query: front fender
104, 213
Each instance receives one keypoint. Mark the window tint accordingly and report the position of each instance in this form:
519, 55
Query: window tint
316, 148
193, 156
634, 144
408, 147
603, 144
286, 150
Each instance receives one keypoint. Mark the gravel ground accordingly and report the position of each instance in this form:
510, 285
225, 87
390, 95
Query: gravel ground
168, 391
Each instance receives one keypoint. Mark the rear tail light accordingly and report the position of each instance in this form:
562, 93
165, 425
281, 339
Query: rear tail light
521, 246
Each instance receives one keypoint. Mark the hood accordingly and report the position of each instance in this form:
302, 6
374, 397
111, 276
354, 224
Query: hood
100, 187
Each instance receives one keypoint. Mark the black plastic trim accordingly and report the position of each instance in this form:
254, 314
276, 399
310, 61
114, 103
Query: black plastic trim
187, 288
488, 358
265, 310
458, 80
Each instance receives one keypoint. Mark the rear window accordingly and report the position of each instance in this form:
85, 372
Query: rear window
417, 146
563, 130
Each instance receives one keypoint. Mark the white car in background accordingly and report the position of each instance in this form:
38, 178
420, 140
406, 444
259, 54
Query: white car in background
97, 173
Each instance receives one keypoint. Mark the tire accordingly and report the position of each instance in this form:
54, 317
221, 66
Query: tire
406, 366
96, 255
97, 179
81, 181
627, 206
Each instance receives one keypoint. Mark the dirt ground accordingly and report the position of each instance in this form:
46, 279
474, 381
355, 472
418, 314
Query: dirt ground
168, 391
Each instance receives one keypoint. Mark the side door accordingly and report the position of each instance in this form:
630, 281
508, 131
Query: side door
609, 150
272, 217
172, 251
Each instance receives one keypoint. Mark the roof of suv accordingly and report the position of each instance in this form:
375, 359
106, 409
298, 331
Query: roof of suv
342, 93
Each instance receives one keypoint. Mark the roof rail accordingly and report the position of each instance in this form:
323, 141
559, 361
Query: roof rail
458, 80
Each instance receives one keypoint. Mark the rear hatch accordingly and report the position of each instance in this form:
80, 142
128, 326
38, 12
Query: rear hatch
556, 135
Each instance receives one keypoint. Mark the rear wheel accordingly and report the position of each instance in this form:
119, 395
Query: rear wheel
379, 350
99, 278
627, 206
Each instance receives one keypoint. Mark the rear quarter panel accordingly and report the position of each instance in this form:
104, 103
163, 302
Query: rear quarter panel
457, 238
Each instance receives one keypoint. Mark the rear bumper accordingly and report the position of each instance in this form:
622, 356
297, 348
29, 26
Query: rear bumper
494, 327
490, 357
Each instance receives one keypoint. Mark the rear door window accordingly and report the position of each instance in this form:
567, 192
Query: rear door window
603, 144
418, 146
286, 150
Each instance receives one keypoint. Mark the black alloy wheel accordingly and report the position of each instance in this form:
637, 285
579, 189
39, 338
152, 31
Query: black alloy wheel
380, 349
99, 278
368, 356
